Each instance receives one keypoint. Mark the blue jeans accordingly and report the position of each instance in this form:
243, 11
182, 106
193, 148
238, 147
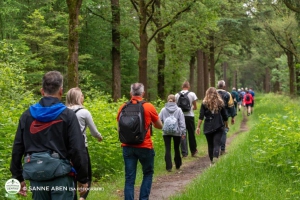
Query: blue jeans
223, 139
146, 158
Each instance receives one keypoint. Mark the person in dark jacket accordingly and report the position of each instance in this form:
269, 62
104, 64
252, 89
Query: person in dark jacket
215, 118
49, 126
230, 109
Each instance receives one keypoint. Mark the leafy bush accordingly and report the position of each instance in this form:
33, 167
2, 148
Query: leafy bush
276, 138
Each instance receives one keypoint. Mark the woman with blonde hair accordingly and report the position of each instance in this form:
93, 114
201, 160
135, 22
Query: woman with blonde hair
74, 101
174, 127
215, 118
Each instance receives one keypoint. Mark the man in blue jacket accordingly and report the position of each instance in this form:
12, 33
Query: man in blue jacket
49, 126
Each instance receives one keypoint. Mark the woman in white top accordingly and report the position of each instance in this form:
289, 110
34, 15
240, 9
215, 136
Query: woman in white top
74, 101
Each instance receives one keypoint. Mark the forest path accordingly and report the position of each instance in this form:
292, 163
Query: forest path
167, 185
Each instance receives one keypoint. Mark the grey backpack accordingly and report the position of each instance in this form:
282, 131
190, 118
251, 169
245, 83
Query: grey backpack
170, 126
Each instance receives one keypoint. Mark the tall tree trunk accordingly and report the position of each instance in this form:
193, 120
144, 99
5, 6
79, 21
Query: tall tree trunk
161, 59
212, 61
234, 81
192, 72
143, 49
160, 52
297, 81
206, 71
115, 51
290, 61
74, 11
276, 85
225, 66
200, 75
267, 80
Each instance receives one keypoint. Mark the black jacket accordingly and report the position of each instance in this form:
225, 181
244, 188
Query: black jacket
212, 121
60, 134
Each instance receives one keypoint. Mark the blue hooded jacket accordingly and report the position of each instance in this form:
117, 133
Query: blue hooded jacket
46, 113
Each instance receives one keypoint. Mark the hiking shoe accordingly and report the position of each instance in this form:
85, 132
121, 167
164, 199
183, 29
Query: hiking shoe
184, 156
169, 170
194, 154
248, 114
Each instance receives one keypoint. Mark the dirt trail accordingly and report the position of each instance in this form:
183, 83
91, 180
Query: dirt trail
167, 185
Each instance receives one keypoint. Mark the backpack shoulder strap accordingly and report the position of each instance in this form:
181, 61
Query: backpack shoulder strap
185, 94
77, 110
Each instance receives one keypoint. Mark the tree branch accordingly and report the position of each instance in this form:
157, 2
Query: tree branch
150, 17
172, 21
134, 5
149, 3
98, 15
288, 4
276, 38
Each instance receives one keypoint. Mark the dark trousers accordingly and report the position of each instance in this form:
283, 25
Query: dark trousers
190, 129
223, 139
89, 177
168, 156
63, 189
213, 142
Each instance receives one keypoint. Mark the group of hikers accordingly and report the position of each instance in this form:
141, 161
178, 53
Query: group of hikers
55, 134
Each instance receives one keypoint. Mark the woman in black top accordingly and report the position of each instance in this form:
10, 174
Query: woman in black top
213, 112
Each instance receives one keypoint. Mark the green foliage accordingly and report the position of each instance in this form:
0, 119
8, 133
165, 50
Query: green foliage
41, 40
12, 83
105, 156
276, 138
45, 44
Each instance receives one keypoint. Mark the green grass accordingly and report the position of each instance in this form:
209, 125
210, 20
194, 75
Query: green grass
245, 173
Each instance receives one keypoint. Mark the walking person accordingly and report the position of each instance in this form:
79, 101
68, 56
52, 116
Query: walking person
189, 118
176, 130
215, 118
253, 94
142, 152
74, 101
230, 109
49, 132
248, 102
235, 97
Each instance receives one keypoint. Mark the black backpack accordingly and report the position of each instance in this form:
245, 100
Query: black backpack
224, 95
132, 123
184, 102
248, 97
